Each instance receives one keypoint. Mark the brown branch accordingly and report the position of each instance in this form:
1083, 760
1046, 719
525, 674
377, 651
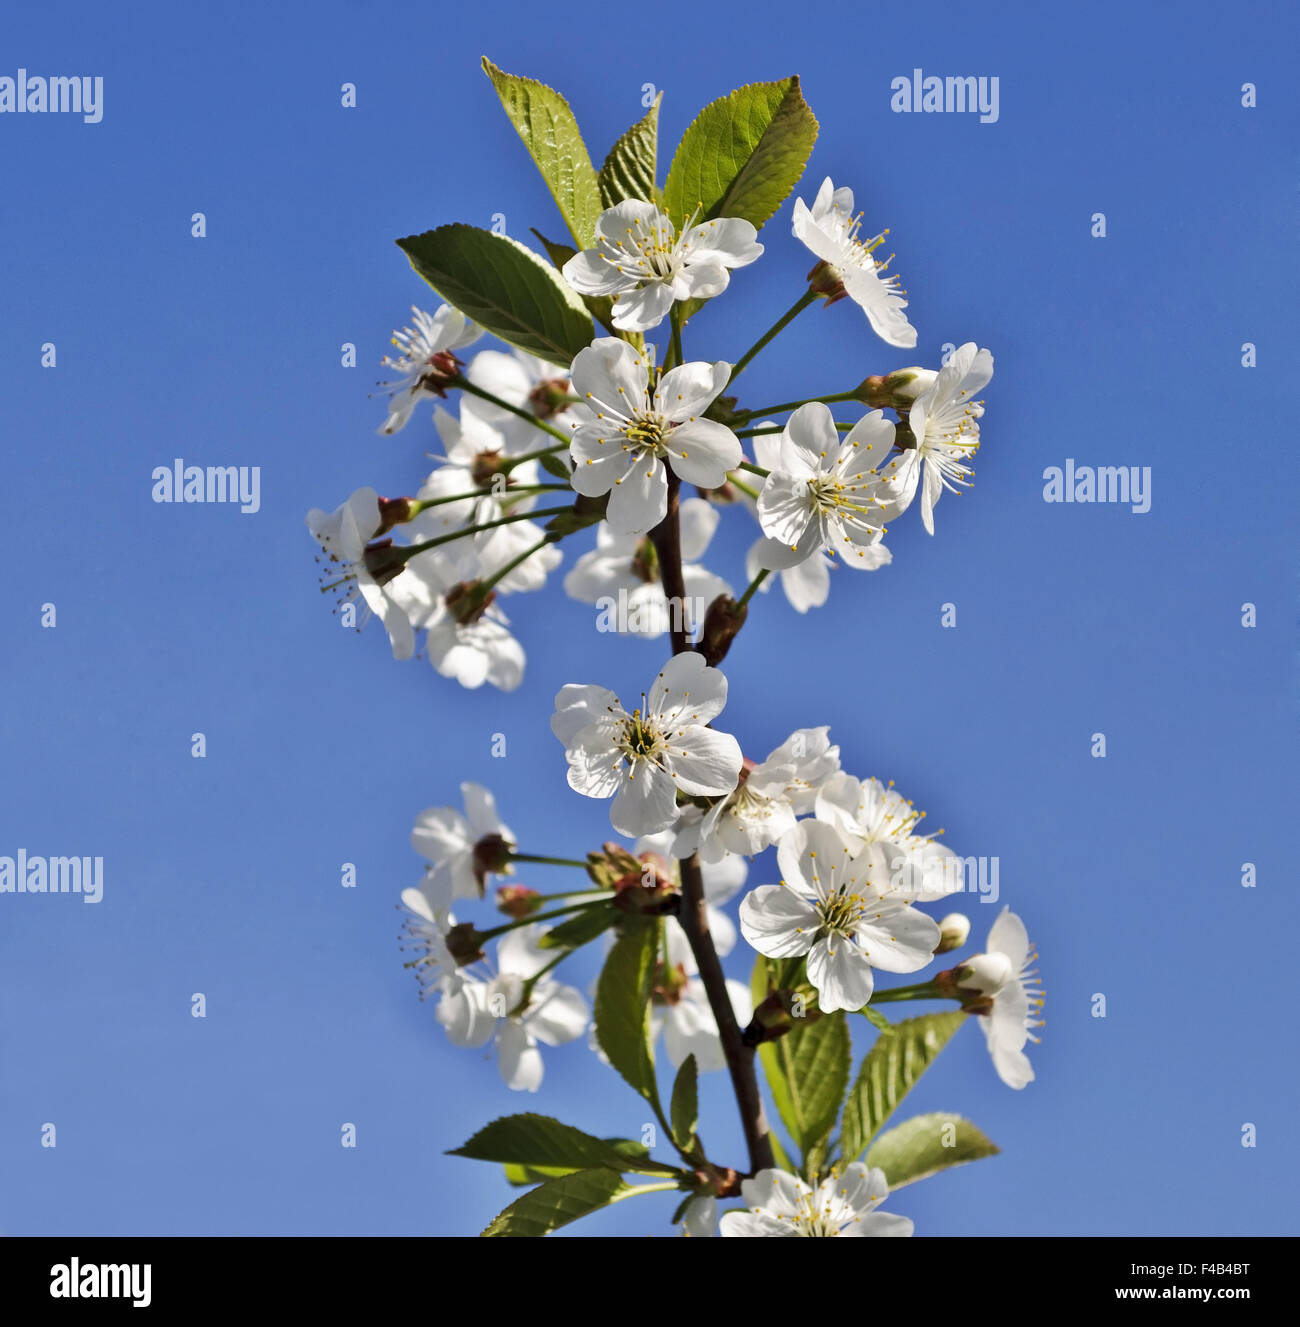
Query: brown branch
693, 915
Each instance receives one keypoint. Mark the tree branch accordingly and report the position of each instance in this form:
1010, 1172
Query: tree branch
693, 915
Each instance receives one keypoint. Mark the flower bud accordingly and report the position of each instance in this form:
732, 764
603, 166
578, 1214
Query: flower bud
612, 866
976, 981
722, 622
396, 511
669, 983
954, 930
549, 397
895, 391
518, 901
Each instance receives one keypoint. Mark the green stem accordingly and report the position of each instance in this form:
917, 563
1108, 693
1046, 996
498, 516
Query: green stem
547, 861
675, 344
502, 572
511, 461
780, 428
667, 1186
753, 585
539, 917
833, 399
466, 386
923, 991
412, 549
422, 504
746, 489
753, 469
789, 316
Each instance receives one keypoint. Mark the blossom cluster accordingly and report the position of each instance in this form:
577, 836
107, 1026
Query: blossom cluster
827, 877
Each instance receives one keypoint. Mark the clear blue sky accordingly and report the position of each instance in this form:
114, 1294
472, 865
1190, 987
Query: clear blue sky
222, 874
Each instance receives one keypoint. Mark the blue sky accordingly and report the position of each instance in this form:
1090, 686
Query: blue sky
222, 874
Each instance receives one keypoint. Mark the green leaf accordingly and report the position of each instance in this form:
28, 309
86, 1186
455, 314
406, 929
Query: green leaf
622, 1012
742, 155
552, 137
888, 1071
551, 463
685, 1109
557, 1202
629, 170
540, 1141
601, 307
808, 1076
925, 1144
504, 286
632, 1156
589, 923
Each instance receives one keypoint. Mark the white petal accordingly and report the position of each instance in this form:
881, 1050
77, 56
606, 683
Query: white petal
777, 922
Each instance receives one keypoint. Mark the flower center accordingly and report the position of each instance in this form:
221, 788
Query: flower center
652, 249
648, 429
641, 738
810, 1221
841, 912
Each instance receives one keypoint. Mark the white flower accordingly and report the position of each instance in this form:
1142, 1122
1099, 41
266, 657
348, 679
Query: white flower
624, 569
689, 1027
473, 1009
781, 1204
622, 451
463, 850
769, 798
830, 908
425, 362
830, 229
700, 1218
475, 450
424, 931
527, 383
641, 759
945, 421
878, 826
369, 571
1016, 1004
825, 492
473, 645
641, 260
806, 581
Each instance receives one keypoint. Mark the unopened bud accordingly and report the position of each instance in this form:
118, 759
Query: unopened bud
613, 866
396, 511
895, 391
722, 622
669, 983
549, 397
776, 1015
954, 930
976, 981
518, 901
